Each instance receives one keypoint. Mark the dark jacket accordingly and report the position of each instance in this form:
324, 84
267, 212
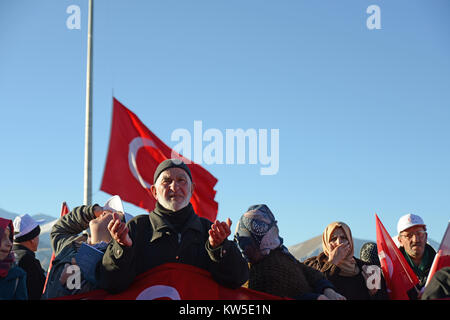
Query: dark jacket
66, 240
423, 269
353, 288
26, 259
439, 285
155, 242
14, 285
280, 274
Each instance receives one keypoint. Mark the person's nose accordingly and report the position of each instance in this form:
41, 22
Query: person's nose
173, 185
415, 237
8, 242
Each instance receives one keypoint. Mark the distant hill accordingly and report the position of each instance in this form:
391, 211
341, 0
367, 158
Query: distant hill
40, 217
7, 215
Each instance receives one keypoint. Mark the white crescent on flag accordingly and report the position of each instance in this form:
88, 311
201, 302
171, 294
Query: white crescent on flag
134, 147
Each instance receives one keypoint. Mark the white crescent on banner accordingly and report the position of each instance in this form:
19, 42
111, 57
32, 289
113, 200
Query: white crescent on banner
133, 149
159, 291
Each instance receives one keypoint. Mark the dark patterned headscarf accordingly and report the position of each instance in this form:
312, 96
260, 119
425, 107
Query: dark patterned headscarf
369, 253
257, 233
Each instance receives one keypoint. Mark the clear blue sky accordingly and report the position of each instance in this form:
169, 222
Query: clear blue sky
363, 115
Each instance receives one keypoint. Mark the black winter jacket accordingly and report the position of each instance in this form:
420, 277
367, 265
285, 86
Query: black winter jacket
156, 242
26, 259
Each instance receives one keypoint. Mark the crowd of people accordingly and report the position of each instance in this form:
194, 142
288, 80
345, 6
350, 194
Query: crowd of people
108, 248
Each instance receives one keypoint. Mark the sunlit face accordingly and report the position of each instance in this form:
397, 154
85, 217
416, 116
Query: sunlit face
337, 237
173, 189
414, 240
6, 244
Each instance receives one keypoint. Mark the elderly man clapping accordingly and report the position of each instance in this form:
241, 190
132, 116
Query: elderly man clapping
172, 232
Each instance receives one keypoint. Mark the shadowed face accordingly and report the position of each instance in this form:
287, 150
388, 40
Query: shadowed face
337, 237
173, 189
414, 240
6, 244
34, 243
99, 227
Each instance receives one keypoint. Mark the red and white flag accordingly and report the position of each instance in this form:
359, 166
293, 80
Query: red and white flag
442, 258
133, 156
400, 279
175, 281
64, 210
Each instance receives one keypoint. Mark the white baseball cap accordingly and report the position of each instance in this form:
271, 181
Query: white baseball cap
115, 204
25, 228
408, 221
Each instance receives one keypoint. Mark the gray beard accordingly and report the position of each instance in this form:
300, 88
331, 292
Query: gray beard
173, 206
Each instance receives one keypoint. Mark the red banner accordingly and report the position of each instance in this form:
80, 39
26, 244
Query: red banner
442, 258
175, 281
64, 210
133, 156
400, 279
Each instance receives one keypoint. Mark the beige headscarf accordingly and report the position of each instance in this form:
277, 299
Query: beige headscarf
348, 265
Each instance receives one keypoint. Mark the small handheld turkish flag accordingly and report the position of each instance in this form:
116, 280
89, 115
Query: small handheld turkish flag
133, 156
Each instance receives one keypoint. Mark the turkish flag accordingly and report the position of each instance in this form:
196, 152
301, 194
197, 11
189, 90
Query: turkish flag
175, 281
64, 210
442, 258
400, 279
133, 156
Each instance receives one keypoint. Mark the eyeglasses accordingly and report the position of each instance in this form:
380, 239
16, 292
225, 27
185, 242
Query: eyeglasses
419, 234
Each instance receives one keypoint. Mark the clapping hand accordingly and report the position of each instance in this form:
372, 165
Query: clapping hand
219, 232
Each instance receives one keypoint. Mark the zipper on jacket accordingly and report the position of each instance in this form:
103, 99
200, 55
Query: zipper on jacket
179, 238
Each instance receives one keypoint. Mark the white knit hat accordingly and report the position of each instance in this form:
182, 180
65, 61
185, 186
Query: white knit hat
23, 226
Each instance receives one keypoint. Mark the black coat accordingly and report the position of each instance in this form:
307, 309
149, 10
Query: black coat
26, 259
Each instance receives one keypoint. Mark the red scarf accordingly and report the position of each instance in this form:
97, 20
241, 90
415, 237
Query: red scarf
6, 263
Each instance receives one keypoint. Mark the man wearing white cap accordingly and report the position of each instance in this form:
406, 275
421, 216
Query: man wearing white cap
412, 236
76, 253
26, 242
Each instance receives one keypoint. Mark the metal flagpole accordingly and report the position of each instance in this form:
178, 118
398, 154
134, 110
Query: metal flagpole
88, 124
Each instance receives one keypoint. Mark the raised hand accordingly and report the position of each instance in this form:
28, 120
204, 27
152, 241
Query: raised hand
339, 253
119, 231
219, 232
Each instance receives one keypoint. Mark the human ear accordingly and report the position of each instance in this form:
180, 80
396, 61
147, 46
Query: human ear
153, 191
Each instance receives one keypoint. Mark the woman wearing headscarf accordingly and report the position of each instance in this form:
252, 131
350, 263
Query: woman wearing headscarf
352, 277
272, 268
13, 284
